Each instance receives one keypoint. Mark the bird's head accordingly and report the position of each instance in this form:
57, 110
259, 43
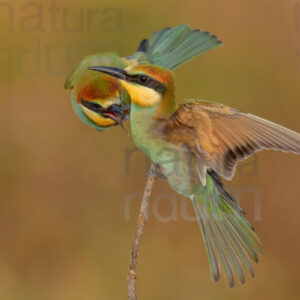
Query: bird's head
147, 85
103, 113
98, 99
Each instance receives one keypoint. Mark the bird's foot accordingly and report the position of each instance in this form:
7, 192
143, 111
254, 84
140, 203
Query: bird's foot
156, 173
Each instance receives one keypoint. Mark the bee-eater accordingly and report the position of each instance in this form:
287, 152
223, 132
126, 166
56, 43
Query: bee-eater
192, 145
100, 101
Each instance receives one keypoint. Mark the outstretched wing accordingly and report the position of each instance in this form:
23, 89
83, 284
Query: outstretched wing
221, 136
172, 47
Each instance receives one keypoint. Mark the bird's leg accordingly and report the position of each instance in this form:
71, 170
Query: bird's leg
156, 172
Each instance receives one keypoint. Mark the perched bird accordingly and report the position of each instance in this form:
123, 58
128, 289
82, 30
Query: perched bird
192, 145
100, 101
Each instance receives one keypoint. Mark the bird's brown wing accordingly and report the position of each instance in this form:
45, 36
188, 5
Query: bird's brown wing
221, 136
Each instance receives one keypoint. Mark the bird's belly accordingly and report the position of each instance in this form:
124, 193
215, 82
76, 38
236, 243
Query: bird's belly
175, 162
178, 166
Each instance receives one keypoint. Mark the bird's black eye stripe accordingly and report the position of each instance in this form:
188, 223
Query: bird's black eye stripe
96, 106
141, 79
92, 105
147, 81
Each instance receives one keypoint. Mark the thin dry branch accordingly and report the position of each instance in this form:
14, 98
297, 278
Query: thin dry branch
131, 276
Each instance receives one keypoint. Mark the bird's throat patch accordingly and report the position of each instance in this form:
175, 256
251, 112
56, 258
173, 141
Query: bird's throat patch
142, 95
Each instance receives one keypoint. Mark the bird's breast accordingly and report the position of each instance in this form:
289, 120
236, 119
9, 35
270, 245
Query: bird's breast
175, 160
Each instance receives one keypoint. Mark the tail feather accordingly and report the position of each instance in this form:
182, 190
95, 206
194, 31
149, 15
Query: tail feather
219, 244
239, 251
234, 260
171, 47
226, 196
212, 257
229, 239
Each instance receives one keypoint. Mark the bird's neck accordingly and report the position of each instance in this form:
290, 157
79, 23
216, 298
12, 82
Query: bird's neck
146, 116
143, 123
167, 105
142, 119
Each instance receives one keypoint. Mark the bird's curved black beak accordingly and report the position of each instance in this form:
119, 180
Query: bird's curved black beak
113, 112
116, 109
115, 72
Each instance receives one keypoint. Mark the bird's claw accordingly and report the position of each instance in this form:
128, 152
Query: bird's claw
156, 173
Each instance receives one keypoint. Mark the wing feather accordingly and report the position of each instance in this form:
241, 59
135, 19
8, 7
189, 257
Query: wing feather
223, 136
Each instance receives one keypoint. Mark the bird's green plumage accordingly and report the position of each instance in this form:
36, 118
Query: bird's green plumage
227, 235
172, 47
103, 59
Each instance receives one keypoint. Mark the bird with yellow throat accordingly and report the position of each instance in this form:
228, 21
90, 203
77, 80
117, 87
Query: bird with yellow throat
206, 140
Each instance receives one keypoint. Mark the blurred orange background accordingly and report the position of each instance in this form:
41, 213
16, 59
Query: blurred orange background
66, 223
